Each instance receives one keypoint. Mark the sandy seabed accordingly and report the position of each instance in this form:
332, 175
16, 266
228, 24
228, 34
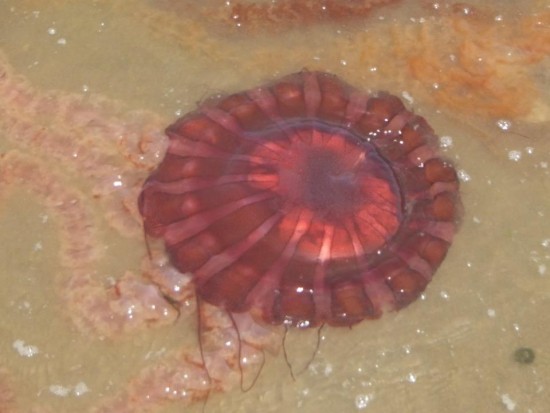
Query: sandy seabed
85, 323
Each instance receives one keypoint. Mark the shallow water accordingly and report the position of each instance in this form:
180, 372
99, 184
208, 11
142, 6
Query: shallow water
453, 349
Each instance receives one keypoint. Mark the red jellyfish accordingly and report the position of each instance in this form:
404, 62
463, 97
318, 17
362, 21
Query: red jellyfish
304, 202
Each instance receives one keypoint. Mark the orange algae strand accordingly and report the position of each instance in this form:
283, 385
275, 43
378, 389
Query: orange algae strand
476, 62
463, 59
292, 13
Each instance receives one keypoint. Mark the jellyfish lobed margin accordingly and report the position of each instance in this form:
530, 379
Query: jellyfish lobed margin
304, 201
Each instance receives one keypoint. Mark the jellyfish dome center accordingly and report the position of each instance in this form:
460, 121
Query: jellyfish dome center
325, 183
338, 176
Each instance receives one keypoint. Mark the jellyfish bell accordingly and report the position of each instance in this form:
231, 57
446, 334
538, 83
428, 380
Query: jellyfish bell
304, 201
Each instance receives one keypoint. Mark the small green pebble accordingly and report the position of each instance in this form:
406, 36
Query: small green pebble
524, 355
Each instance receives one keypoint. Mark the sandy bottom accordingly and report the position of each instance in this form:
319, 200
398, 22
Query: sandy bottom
85, 91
